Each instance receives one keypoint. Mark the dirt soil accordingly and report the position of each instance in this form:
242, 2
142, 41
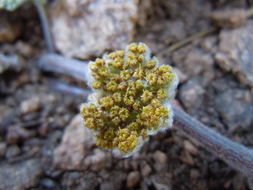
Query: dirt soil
33, 115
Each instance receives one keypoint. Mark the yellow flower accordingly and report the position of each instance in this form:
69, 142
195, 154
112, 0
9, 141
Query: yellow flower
132, 100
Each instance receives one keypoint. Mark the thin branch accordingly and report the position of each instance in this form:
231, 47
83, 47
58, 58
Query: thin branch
59, 64
234, 154
64, 88
39, 4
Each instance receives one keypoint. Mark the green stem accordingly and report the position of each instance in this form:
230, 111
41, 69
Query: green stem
39, 4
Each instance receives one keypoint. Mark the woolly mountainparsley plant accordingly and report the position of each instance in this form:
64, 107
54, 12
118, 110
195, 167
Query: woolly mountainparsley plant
131, 99
11, 5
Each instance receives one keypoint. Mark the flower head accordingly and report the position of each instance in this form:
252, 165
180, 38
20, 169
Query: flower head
131, 99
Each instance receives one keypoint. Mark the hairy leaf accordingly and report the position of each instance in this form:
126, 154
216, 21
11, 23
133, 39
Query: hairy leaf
11, 5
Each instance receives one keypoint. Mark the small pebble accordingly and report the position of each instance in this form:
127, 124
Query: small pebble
98, 161
30, 105
194, 173
12, 151
146, 170
187, 158
161, 182
43, 129
134, 164
17, 134
2, 148
190, 147
160, 157
48, 183
20, 175
181, 75
133, 179
24, 49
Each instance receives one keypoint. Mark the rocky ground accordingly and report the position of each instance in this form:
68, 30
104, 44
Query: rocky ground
44, 146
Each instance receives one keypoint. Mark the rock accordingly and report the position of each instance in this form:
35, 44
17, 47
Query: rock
189, 147
20, 176
195, 62
18, 134
209, 44
70, 153
144, 185
161, 182
2, 148
145, 170
5, 110
144, 8
24, 49
171, 32
186, 158
194, 173
169, 9
79, 181
160, 157
134, 164
9, 62
114, 180
235, 107
43, 129
133, 179
229, 18
30, 105
108, 186
182, 76
99, 160
12, 151
224, 83
191, 94
84, 28
235, 52
9, 30
48, 184
175, 30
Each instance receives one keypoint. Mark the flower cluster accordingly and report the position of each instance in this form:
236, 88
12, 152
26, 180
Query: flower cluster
131, 98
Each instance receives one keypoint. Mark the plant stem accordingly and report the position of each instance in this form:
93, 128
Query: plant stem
39, 4
234, 154
59, 64
64, 88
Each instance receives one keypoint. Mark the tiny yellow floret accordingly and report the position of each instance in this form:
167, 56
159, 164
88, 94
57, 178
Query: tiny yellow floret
131, 98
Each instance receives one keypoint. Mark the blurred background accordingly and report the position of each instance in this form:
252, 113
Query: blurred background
43, 144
